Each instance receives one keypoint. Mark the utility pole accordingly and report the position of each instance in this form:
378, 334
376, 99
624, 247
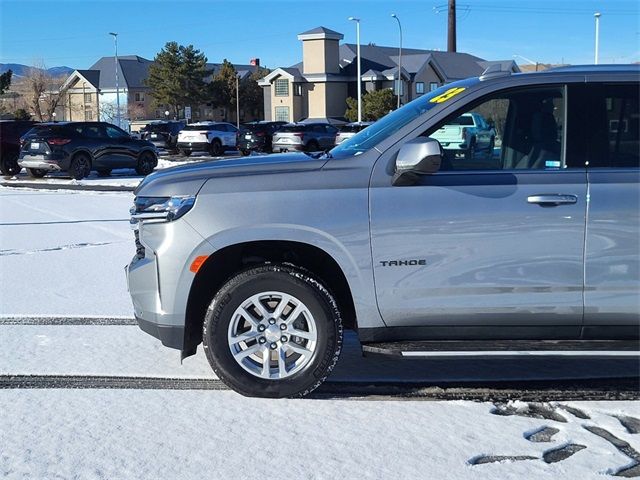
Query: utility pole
597, 17
115, 38
451, 31
237, 102
399, 87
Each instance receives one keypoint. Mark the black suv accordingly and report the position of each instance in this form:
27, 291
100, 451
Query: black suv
10, 133
80, 147
257, 136
163, 134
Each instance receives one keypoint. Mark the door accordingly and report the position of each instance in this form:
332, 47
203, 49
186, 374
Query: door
612, 270
122, 150
496, 240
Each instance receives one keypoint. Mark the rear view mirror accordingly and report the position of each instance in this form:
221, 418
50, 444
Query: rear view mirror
420, 156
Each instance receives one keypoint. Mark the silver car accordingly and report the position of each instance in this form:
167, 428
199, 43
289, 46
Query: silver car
349, 130
307, 137
266, 260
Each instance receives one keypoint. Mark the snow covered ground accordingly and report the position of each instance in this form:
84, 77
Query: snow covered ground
61, 255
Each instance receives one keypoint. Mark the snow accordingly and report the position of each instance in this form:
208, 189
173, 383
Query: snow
62, 253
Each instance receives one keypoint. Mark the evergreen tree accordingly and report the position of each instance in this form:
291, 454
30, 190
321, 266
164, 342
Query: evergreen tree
5, 81
176, 77
223, 87
375, 104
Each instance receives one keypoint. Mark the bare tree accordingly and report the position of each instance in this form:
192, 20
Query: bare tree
45, 91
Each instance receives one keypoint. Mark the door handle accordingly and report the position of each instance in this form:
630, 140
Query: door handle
547, 200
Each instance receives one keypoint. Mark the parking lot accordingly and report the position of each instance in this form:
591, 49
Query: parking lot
82, 385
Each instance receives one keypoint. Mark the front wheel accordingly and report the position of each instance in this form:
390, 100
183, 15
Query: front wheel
146, 163
273, 331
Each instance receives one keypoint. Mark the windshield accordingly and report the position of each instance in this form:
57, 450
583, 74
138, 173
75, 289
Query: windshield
394, 121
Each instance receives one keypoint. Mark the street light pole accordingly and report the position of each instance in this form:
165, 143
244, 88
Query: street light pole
399, 59
357, 20
237, 102
597, 17
115, 38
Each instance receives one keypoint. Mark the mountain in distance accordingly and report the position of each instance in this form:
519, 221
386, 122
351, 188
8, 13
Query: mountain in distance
20, 70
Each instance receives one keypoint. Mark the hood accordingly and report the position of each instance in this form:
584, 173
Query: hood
188, 179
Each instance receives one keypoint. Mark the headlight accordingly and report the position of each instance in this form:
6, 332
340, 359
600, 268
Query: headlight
160, 209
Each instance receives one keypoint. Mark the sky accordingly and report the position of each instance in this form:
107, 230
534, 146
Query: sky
74, 33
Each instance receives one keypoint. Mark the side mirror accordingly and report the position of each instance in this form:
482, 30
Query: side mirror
420, 156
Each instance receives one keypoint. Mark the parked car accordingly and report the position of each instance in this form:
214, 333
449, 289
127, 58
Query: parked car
10, 133
349, 130
466, 135
257, 136
212, 137
82, 147
163, 134
265, 263
308, 137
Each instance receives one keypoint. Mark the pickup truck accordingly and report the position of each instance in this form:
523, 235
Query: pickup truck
466, 135
266, 260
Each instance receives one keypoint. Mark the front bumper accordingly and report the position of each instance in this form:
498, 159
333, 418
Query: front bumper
194, 146
159, 279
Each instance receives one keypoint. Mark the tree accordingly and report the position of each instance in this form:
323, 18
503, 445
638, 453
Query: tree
21, 114
223, 87
5, 81
375, 104
252, 95
44, 92
176, 78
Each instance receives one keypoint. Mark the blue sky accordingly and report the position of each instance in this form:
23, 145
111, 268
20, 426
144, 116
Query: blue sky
75, 32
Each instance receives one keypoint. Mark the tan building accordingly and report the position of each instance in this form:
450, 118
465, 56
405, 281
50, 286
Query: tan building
91, 94
318, 86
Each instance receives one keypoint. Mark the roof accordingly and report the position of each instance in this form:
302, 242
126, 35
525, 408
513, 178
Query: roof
132, 71
91, 76
320, 33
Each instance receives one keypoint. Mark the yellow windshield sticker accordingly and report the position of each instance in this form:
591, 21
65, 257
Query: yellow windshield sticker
452, 92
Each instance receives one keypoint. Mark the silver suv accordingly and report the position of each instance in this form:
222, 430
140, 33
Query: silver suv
308, 137
266, 260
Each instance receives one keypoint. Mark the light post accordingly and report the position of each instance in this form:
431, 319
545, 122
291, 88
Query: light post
399, 59
237, 102
115, 39
54, 116
357, 20
597, 17
528, 60
166, 114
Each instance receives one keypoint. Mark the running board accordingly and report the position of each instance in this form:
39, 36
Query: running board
481, 348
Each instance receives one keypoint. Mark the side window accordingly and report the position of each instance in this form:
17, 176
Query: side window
517, 129
113, 132
614, 127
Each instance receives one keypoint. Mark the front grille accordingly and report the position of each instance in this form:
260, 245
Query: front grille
139, 247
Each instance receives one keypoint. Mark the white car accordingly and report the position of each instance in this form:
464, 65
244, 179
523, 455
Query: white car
349, 130
212, 137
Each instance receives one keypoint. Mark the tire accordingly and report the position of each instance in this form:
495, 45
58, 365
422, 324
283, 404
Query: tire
147, 161
313, 146
104, 172
244, 153
216, 148
9, 165
319, 314
36, 172
470, 154
185, 153
80, 166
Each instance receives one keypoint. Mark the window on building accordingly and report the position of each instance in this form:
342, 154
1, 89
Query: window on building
139, 96
88, 114
398, 87
282, 87
282, 114
433, 86
297, 89
419, 87
87, 98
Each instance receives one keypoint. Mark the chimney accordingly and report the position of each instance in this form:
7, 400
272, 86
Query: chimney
255, 62
451, 31
320, 52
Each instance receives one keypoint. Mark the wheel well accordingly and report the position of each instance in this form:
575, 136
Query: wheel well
225, 262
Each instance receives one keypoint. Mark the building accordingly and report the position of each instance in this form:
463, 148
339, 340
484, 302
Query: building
318, 86
91, 94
